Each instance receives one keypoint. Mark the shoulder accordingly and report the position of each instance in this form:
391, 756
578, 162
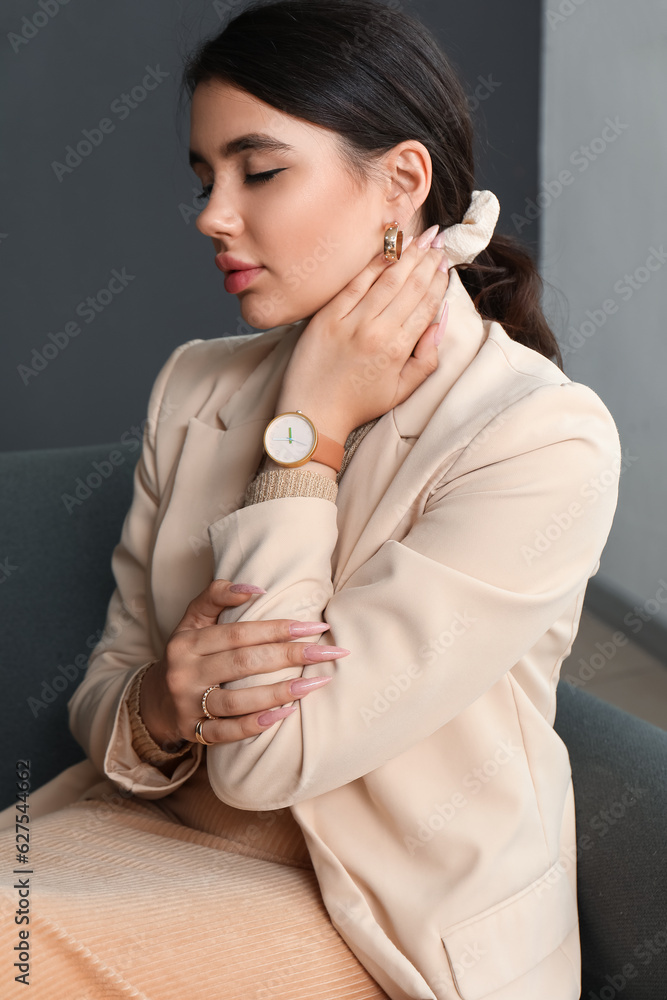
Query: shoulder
531, 403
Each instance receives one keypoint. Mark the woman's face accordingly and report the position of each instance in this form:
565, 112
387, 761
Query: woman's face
309, 226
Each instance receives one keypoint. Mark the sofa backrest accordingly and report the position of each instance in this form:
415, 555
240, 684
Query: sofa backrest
61, 514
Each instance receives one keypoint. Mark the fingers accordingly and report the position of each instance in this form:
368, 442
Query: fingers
245, 635
205, 608
202, 653
232, 730
428, 310
243, 712
393, 279
263, 659
231, 703
424, 358
357, 289
188, 681
418, 295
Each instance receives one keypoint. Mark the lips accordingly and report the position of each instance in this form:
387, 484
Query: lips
238, 273
227, 263
236, 281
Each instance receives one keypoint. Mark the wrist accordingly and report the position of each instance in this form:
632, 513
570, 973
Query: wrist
318, 467
150, 696
328, 425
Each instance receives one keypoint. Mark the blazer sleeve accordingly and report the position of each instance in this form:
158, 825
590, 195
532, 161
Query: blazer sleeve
505, 542
99, 714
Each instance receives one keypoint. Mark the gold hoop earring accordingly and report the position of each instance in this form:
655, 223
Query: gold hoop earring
393, 241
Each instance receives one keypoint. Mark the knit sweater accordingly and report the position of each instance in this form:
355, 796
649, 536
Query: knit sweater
267, 485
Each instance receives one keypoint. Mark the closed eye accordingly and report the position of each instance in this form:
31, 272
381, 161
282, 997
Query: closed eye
250, 179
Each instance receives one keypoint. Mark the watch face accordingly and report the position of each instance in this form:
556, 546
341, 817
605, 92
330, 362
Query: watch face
289, 438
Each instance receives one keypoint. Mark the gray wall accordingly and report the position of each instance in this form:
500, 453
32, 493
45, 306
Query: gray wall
607, 62
126, 207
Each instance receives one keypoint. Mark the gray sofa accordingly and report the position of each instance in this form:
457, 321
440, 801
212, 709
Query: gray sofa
61, 511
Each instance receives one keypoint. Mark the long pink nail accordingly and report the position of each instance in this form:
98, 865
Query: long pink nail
305, 684
307, 628
442, 325
427, 237
315, 652
268, 718
246, 588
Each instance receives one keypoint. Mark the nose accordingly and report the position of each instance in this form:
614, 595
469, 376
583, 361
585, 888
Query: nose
218, 219
218, 224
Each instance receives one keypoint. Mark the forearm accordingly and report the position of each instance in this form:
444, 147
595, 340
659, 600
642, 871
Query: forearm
286, 545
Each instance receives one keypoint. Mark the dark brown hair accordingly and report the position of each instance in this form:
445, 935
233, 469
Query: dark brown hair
331, 63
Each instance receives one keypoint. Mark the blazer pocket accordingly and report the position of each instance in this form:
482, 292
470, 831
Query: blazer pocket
498, 945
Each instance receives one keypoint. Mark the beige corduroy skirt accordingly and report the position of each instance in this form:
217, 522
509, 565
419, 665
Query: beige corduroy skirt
127, 900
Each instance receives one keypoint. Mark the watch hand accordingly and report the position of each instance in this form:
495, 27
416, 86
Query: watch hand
290, 439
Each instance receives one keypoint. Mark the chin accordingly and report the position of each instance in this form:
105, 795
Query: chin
269, 316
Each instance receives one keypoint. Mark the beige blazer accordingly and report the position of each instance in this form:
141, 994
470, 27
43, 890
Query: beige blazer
433, 793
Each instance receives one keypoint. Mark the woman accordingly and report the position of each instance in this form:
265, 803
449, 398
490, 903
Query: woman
404, 826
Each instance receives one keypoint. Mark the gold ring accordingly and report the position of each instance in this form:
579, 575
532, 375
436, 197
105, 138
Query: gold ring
203, 701
198, 733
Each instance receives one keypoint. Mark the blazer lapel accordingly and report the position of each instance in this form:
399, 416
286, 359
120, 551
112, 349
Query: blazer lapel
257, 393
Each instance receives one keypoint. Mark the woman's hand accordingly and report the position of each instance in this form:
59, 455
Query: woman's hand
354, 360
200, 653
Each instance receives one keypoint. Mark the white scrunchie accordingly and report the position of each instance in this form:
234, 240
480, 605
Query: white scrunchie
466, 239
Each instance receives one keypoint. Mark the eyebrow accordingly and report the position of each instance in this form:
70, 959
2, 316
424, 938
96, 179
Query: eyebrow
253, 140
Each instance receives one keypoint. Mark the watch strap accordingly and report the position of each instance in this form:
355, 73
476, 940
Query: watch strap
328, 452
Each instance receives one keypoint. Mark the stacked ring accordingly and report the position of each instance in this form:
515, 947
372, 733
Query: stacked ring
198, 733
203, 701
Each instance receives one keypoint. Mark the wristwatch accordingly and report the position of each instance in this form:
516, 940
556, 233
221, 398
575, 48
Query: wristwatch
292, 439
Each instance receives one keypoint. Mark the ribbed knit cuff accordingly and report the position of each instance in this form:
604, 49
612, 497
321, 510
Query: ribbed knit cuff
143, 743
297, 482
